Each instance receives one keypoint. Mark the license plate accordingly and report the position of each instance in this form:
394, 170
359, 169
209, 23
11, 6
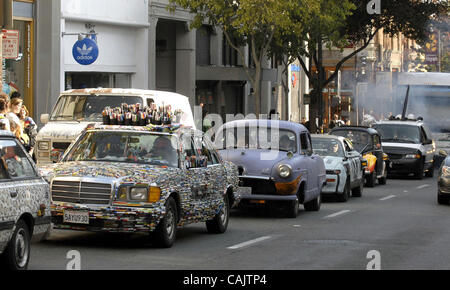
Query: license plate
244, 191
76, 217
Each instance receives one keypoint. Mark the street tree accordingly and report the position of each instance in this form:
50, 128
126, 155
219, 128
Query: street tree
246, 24
340, 23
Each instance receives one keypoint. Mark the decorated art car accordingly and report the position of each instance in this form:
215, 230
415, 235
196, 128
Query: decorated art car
76, 109
367, 141
276, 163
141, 179
24, 204
344, 166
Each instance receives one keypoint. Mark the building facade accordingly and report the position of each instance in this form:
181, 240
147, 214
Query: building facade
141, 44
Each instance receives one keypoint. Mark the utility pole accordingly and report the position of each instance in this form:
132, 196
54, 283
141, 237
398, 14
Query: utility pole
6, 22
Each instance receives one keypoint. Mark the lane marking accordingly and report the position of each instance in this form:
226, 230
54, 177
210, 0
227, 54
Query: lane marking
296, 226
423, 186
337, 214
248, 243
388, 197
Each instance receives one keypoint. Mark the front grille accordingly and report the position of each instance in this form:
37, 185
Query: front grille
81, 192
260, 186
61, 145
395, 156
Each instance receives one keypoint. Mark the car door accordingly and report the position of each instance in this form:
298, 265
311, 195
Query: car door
309, 163
354, 163
6, 206
427, 142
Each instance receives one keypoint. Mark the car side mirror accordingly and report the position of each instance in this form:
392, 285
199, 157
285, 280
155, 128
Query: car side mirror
443, 153
45, 118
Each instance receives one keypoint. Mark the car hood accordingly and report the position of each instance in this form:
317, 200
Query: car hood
387, 145
332, 162
62, 130
121, 172
255, 162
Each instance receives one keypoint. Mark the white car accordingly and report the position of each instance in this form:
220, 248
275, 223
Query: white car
344, 166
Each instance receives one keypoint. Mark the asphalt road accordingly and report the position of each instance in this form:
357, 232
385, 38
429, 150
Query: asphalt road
401, 221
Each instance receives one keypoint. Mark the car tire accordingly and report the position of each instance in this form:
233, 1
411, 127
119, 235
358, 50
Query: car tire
292, 209
443, 200
371, 180
358, 191
165, 234
17, 254
314, 205
383, 179
430, 172
346, 194
219, 224
419, 172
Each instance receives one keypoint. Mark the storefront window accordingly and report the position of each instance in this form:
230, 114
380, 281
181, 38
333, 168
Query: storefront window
81, 80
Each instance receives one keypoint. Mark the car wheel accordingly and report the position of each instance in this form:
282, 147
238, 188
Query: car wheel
371, 179
292, 209
346, 194
314, 205
444, 200
17, 254
383, 180
165, 233
219, 224
430, 172
357, 192
419, 172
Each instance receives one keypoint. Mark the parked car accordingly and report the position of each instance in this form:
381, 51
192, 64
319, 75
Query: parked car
149, 179
276, 163
410, 147
443, 196
367, 141
76, 109
344, 166
24, 204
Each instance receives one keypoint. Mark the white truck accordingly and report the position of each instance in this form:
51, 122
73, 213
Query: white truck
76, 109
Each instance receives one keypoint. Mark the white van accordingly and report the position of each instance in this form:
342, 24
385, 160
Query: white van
76, 109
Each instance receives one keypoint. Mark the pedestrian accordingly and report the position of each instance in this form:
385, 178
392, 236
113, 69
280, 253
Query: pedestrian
29, 127
4, 122
306, 123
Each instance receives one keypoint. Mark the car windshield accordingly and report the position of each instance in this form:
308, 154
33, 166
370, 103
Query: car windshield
258, 138
127, 147
399, 133
327, 147
88, 107
361, 140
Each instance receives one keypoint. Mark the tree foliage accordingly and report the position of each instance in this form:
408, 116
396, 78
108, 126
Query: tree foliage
246, 23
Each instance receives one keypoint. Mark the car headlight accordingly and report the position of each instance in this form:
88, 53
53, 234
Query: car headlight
285, 171
139, 194
44, 145
413, 156
446, 171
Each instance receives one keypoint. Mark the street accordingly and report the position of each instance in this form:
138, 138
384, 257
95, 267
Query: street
402, 221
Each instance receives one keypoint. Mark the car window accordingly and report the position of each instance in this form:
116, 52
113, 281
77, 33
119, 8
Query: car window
212, 152
376, 142
348, 148
3, 175
15, 161
306, 147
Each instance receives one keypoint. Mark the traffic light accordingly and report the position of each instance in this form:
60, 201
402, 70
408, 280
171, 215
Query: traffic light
6, 13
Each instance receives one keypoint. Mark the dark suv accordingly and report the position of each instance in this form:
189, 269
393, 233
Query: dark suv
410, 147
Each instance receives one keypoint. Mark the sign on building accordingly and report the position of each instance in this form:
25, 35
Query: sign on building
10, 46
85, 51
